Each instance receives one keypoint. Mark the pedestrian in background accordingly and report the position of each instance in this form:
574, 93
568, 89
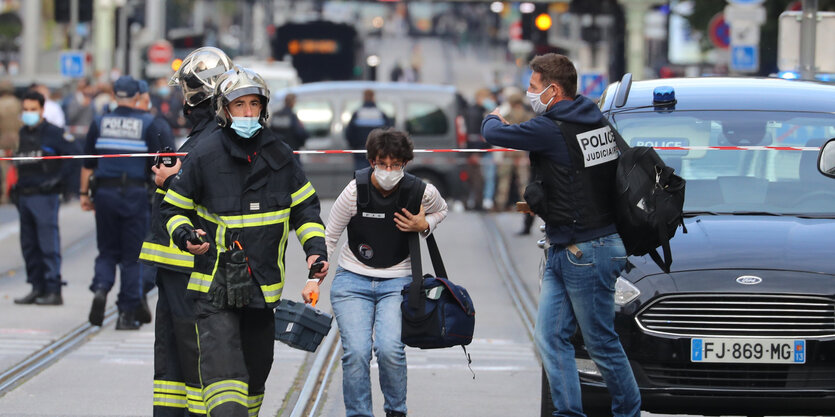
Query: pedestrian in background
586, 253
375, 266
363, 121
514, 167
121, 200
37, 194
80, 112
176, 377
288, 126
10, 123
241, 191
52, 111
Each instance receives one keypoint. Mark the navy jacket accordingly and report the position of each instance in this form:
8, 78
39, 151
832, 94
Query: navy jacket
363, 121
124, 130
45, 139
543, 136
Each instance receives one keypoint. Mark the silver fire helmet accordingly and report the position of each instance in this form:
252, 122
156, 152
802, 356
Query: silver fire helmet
235, 83
199, 72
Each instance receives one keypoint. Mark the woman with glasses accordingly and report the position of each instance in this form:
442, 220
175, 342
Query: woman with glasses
379, 207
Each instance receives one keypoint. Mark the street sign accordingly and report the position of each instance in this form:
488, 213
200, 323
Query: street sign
72, 64
592, 84
160, 52
745, 58
719, 31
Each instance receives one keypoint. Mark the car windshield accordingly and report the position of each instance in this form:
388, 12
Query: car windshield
742, 177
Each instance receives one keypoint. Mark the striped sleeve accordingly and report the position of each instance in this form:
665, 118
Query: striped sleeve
341, 212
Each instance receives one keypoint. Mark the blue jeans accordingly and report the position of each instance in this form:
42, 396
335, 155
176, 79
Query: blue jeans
581, 291
364, 306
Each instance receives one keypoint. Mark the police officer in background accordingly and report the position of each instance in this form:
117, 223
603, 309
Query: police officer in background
233, 204
288, 126
586, 253
363, 121
37, 192
121, 200
176, 379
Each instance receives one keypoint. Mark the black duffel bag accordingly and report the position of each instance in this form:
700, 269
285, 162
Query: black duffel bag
436, 313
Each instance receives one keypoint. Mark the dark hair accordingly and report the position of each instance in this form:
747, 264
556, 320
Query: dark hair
34, 95
556, 69
389, 143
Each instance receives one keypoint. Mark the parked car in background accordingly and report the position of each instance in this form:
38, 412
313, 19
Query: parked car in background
429, 113
744, 323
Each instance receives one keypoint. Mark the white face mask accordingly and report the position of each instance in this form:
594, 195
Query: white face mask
388, 179
536, 104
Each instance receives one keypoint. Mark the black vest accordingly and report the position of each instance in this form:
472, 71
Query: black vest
31, 144
372, 234
581, 194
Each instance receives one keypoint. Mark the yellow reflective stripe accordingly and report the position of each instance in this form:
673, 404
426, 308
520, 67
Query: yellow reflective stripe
255, 404
200, 282
272, 292
282, 246
172, 197
160, 191
226, 397
245, 220
176, 221
176, 401
226, 385
169, 387
302, 194
195, 401
309, 230
168, 255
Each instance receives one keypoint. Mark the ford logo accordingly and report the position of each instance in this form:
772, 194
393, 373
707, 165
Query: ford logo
749, 280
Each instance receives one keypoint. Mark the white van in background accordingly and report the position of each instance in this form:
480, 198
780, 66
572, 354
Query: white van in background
278, 74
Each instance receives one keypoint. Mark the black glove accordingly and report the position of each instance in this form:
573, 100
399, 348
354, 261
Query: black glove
238, 282
184, 234
217, 290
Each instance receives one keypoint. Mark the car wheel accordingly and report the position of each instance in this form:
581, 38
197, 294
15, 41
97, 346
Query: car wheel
434, 179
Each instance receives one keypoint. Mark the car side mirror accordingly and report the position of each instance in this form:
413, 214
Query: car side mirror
826, 159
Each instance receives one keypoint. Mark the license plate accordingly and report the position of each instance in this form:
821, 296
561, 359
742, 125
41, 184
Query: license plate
786, 351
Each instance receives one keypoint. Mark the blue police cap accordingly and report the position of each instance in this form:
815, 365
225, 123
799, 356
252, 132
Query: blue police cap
125, 87
143, 86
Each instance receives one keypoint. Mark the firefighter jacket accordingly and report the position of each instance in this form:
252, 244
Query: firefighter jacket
249, 190
158, 249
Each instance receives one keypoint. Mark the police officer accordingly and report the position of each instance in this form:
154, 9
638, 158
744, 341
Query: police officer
363, 121
233, 204
121, 200
288, 126
176, 380
37, 192
586, 254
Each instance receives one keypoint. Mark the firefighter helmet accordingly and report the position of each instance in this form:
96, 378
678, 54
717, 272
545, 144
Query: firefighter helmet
239, 82
199, 72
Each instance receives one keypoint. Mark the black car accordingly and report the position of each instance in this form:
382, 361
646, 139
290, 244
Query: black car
744, 323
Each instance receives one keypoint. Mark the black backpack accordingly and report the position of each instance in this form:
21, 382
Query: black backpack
649, 202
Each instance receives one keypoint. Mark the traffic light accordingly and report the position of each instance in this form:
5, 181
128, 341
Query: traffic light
63, 12
536, 25
190, 41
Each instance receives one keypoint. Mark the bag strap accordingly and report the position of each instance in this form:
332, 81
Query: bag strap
415, 298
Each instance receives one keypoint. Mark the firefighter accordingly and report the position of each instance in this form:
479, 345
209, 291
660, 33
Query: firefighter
37, 194
233, 204
121, 200
176, 380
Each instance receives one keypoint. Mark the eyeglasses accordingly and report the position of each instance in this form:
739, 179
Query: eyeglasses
394, 167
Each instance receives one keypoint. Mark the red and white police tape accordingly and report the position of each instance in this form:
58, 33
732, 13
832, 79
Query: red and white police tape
353, 151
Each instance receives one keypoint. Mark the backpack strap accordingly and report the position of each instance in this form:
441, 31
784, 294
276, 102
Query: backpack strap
363, 178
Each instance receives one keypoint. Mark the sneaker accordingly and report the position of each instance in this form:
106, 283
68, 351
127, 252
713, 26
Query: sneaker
143, 313
28, 298
52, 299
97, 309
127, 321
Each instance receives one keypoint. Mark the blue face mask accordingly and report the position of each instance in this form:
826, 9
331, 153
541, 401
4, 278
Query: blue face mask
30, 118
488, 104
163, 92
245, 127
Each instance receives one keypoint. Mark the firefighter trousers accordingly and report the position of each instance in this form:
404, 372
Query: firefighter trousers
236, 354
177, 390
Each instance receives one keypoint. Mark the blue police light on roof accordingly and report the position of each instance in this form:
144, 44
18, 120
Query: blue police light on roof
788, 75
663, 95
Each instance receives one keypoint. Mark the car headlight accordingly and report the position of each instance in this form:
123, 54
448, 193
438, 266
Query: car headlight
625, 292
